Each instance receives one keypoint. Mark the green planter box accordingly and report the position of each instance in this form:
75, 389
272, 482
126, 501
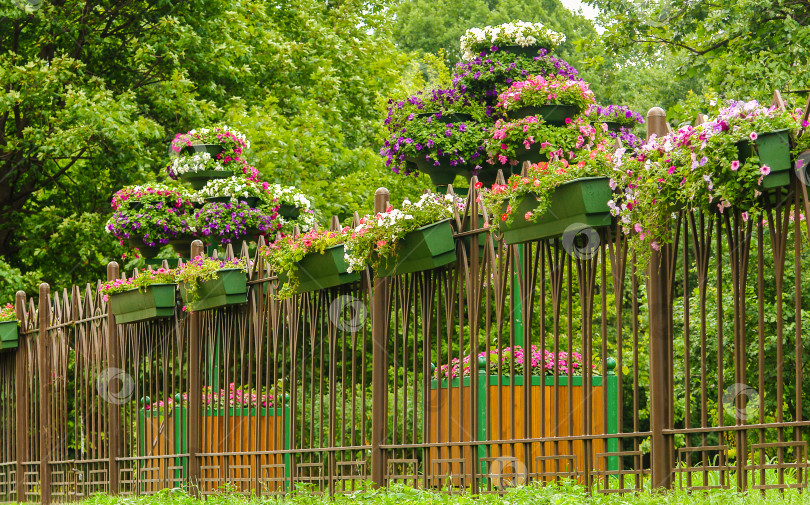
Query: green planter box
426, 248
773, 149
229, 287
554, 114
321, 271
134, 305
198, 180
579, 202
500, 403
9, 338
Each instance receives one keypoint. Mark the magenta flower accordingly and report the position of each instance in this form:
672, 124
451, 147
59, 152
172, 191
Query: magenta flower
735, 165
764, 170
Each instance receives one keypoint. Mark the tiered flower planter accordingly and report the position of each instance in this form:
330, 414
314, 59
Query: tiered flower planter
426, 248
500, 410
9, 336
158, 300
580, 202
322, 271
223, 430
228, 288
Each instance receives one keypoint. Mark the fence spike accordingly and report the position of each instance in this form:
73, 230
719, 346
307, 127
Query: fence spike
500, 179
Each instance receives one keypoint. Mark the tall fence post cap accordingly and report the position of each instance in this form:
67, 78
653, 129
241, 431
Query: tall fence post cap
656, 112
382, 191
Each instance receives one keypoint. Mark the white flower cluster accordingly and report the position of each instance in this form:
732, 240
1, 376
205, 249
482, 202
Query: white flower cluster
306, 221
196, 163
289, 194
517, 33
234, 187
430, 207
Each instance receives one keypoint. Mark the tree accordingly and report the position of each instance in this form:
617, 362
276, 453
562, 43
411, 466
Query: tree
744, 49
93, 91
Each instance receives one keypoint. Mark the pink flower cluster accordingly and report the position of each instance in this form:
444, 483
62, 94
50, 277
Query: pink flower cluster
7, 313
550, 89
234, 396
148, 192
538, 362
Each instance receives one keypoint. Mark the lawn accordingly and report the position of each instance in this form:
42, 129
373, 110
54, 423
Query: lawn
532, 494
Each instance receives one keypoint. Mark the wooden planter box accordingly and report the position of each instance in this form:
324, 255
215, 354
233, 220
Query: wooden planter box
228, 288
8, 335
248, 430
582, 202
500, 417
321, 271
426, 248
134, 305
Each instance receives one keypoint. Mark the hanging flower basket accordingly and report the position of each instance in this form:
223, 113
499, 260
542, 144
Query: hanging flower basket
251, 201
228, 287
8, 335
212, 149
199, 179
425, 248
135, 305
579, 202
289, 211
444, 173
323, 270
554, 114
147, 251
773, 149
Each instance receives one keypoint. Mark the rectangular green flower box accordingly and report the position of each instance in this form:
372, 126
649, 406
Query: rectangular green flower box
581, 203
323, 270
773, 149
229, 287
8, 335
425, 248
134, 305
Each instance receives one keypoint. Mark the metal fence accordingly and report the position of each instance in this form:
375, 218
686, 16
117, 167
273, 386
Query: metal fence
692, 373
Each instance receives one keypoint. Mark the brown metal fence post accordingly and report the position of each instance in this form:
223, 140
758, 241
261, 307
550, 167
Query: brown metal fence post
115, 434
21, 393
194, 398
379, 362
45, 381
660, 358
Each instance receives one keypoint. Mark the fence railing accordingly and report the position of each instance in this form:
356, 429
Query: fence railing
691, 372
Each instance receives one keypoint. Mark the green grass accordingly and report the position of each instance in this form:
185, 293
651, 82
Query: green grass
533, 494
